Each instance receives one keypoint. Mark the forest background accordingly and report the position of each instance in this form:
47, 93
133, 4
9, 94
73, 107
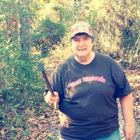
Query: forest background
33, 31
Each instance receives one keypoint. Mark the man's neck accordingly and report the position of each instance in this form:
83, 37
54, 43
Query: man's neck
85, 59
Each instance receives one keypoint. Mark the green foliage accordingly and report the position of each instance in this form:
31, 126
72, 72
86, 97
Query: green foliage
21, 83
118, 28
49, 138
47, 35
21, 86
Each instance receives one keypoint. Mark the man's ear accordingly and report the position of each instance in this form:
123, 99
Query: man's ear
92, 39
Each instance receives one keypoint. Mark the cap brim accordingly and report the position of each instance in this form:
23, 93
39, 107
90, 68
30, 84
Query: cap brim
75, 33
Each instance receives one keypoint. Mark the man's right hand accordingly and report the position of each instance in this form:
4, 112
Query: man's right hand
50, 99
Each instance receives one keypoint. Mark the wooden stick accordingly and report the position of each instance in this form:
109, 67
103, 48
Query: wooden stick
41, 68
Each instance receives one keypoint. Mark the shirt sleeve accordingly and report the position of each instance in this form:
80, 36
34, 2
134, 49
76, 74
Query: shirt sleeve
120, 80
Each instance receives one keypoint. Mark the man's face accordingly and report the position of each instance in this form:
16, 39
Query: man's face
82, 45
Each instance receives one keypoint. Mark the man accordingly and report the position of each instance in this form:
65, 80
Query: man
86, 86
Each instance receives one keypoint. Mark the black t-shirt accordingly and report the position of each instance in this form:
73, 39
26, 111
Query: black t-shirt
88, 93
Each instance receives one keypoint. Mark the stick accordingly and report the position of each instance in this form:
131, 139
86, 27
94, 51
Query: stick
41, 68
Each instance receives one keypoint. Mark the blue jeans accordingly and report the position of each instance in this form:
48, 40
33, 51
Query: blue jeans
113, 136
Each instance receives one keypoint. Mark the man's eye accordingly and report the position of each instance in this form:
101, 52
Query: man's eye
76, 40
86, 38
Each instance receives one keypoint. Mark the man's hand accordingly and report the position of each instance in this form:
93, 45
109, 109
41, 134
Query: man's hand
52, 100
129, 129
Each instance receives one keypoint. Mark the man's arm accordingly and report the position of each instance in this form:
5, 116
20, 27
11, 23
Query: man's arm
127, 112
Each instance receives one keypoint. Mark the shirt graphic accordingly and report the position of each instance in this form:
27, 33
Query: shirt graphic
88, 79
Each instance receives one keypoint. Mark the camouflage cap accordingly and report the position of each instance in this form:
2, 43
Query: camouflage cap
81, 27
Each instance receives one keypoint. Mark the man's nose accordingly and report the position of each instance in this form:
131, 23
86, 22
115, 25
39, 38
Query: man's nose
81, 43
